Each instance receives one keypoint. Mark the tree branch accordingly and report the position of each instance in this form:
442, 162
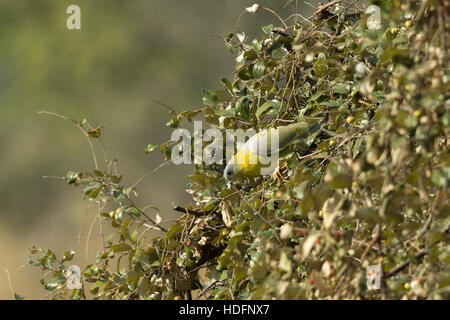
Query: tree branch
405, 264
327, 5
196, 213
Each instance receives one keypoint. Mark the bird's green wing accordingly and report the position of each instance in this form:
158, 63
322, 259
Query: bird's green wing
261, 143
287, 134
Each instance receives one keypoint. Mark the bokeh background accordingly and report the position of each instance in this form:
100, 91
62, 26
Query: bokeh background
127, 54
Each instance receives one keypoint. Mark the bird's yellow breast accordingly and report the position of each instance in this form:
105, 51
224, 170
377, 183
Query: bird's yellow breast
248, 163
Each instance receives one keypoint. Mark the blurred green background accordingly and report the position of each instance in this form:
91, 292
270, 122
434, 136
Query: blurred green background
127, 54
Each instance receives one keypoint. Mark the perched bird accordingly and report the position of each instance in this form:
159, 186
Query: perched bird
260, 155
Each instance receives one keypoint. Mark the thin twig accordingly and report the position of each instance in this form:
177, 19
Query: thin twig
441, 25
209, 288
327, 5
171, 110
374, 240
189, 211
80, 127
10, 284
276, 15
89, 236
405, 264
101, 226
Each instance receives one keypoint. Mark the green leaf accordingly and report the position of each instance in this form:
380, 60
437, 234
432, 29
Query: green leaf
227, 113
68, 256
94, 193
243, 108
321, 67
258, 69
278, 51
150, 148
317, 95
268, 29
144, 287
342, 88
244, 74
174, 231
116, 178
134, 212
174, 122
310, 139
275, 104
180, 261
224, 275
54, 283
132, 277
441, 178
121, 247
250, 55
18, 296
227, 84
222, 95
72, 177
98, 173
209, 98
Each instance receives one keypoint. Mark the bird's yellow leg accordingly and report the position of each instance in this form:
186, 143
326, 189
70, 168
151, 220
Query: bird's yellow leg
278, 174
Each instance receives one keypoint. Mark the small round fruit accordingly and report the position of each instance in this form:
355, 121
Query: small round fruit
350, 119
188, 243
111, 214
331, 142
417, 113
407, 285
394, 31
408, 23
177, 298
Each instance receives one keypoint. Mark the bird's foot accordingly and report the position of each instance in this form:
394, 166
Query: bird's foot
278, 174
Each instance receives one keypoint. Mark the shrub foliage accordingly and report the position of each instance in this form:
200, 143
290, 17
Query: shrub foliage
369, 188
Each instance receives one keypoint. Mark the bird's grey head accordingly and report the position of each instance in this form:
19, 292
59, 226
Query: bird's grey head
230, 171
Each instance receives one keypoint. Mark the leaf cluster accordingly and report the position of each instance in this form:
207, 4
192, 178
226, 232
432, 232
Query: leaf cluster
369, 188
